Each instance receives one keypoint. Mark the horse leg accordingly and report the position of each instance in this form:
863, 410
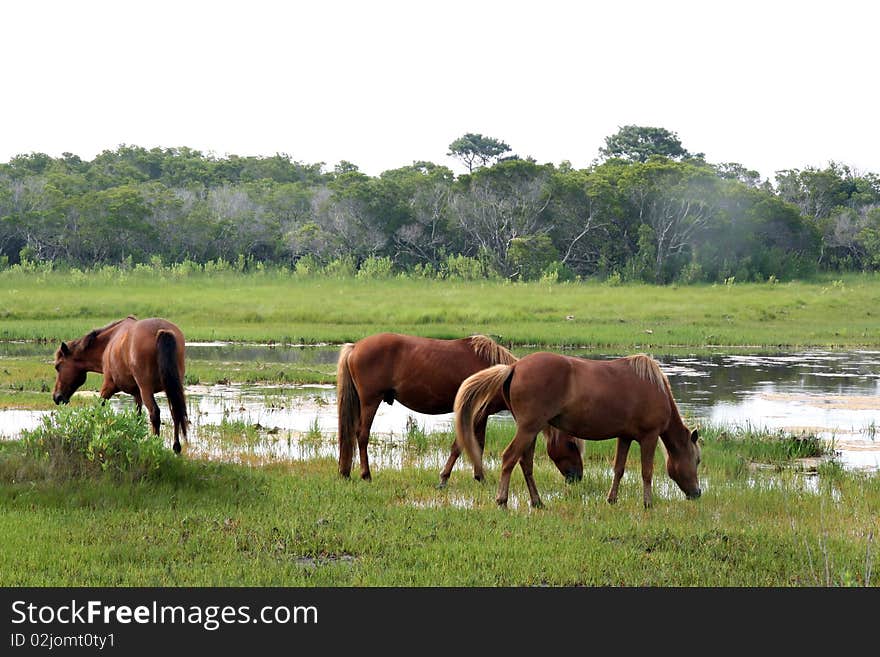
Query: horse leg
454, 453
368, 412
619, 467
153, 411
512, 455
138, 402
108, 389
526, 463
647, 446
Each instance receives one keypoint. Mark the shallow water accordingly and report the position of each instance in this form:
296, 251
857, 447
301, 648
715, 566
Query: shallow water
833, 394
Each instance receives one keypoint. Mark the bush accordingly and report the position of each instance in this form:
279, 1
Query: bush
88, 441
375, 268
557, 272
341, 268
531, 255
307, 266
463, 268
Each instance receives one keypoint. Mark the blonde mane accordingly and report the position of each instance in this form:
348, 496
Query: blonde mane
486, 348
647, 368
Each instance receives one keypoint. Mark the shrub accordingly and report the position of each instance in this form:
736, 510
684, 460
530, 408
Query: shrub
373, 268
463, 268
307, 266
89, 441
341, 268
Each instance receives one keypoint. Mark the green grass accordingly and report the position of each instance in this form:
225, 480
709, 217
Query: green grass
273, 307
762, 521
299, 524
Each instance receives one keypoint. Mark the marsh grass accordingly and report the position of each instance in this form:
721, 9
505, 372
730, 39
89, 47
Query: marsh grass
196, 522
314, 435
220, 524
279, 308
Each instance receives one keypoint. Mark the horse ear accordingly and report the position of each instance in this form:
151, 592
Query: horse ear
65, 350
694, 436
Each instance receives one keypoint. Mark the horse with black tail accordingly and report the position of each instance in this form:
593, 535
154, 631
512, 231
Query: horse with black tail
138, 357
626, 398
423, 374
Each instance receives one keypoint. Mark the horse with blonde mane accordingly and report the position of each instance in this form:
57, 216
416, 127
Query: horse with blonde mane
626, 398
423, 374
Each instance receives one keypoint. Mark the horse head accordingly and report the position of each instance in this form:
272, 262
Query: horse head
683, 458
71, 372
565, 452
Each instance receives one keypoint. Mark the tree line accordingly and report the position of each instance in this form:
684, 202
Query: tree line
647, 209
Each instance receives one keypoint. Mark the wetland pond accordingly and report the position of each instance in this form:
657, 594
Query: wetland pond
832, 394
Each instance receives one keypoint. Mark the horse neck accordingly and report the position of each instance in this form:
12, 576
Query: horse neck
92, 357
676, 426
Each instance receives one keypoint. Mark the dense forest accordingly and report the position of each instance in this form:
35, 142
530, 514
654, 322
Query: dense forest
646, 209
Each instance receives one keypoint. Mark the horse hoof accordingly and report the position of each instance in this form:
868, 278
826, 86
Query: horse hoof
611, 500
176, 448
479, 478
538, 505
502, 504
367, 477
442, 484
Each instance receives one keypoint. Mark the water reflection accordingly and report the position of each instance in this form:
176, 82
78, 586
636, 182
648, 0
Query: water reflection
834, 394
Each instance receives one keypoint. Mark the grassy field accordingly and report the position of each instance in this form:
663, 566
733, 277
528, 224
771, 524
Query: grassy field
271, 307
299, 524
760, 522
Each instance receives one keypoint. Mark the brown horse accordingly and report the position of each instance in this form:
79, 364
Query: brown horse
423, 374
628, 398
139, 357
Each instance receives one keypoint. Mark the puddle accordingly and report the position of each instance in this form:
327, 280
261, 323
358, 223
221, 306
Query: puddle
834, 394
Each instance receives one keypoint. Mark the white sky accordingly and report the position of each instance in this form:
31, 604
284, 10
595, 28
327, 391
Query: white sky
770, 84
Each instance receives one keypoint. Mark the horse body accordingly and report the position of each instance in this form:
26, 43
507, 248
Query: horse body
423, 374
626, 398
137, 357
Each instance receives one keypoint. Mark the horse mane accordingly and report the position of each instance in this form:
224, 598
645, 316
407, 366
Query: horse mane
647, 368
486, 348
87, 340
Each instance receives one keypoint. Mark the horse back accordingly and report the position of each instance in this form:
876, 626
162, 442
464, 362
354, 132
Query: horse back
593, 399
423, 374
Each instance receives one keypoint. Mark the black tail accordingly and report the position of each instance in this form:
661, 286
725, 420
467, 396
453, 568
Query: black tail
170, 377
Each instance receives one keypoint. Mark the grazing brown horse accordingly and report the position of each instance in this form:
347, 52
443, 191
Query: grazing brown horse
139, 357
423, 374
627, 398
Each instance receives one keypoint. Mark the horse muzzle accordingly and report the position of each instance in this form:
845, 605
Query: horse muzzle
695, 494
59, 398
573, 476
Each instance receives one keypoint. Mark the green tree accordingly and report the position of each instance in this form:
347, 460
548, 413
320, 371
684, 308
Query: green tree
677, 200
638, 143
476, 150
531, 255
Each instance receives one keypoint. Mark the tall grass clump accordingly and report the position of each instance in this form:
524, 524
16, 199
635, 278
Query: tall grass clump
750, 444
95, 440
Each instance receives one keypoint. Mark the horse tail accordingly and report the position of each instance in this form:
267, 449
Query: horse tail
169, 375
472, 398
348, 403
